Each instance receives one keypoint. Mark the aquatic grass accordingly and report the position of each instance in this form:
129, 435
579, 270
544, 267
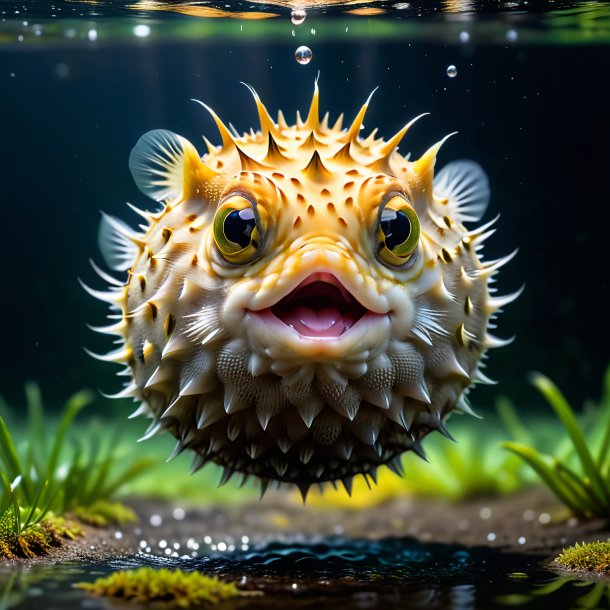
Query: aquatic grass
174, 588
580, 475
39, 476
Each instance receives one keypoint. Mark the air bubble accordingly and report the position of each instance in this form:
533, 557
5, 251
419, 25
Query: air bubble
303, 55
298, 16
451, 71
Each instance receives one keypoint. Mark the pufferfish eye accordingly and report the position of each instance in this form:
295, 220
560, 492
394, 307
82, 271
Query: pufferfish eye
398, 232
236, 232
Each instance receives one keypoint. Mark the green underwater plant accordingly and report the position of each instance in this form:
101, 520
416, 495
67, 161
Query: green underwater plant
580, 476
586, 557
174, 588
39, 477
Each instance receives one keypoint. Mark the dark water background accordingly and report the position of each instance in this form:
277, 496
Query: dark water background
534, 115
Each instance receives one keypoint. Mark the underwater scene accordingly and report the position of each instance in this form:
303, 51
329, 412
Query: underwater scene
305, 304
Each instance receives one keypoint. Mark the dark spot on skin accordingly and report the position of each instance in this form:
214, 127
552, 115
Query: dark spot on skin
142, 280
447, 221
342, 221
277, 176
170, 324
194, 260
301, 199
191, 218
295, 181
353, 172
154, 310
349, 202
166, 234
325, 192
297, 222
445, 255
219, 164
348, 185
311, 210
330, 206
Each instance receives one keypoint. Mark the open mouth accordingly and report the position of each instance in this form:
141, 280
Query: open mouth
319, 307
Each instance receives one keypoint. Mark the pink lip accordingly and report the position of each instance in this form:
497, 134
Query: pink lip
319, 307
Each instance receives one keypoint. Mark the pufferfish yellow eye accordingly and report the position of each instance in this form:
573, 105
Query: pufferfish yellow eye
398, 232
236, 230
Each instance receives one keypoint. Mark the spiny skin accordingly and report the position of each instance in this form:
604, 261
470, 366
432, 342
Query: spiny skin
211, 364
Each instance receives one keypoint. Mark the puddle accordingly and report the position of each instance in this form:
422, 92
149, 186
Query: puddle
334, 573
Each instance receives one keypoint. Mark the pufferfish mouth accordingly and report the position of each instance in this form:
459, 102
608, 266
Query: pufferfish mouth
319, 307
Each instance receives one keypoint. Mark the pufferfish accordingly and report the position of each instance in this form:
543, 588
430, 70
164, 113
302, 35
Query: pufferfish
307, 304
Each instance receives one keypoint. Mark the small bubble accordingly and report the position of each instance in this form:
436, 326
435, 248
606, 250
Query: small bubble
512, 36
485, 513
141, 30
62, 70
20, 38
522, 540
451, 71
156, 520
544, 518
222, 546
303, 55
298, 16
464, 37
178, 514
92, 35
491, 537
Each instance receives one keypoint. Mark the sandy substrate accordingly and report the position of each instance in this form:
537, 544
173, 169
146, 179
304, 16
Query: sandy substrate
525, 522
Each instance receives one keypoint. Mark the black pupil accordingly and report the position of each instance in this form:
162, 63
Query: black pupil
396, 227
238, 227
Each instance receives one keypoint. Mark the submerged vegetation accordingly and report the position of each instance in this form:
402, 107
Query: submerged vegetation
171, 587
50, 472
579, 476
586, 557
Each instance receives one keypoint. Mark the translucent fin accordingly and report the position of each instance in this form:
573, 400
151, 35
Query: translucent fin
465, 186
157, 164
116, 242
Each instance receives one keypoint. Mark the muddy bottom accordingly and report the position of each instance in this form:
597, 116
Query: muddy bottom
407, 554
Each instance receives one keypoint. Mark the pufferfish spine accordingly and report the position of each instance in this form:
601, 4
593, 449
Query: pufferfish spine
307, 304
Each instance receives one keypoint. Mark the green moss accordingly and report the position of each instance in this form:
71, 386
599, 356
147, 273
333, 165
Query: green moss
35, 541
103, 513
171, 587
586, 557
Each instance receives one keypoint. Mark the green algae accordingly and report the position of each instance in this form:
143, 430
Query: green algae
586, 557
173, 588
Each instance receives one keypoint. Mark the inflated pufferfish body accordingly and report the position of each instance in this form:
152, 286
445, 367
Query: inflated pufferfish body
307, 305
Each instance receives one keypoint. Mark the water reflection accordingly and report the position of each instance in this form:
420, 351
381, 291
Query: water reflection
563, 592
336, 572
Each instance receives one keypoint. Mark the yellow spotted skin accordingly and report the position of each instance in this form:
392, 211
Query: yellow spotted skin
263, 400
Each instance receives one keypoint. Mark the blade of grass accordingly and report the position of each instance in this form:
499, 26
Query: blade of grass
580, 489
533, 458
73, 406
38, 435
563, 410
511, 421
10, 459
